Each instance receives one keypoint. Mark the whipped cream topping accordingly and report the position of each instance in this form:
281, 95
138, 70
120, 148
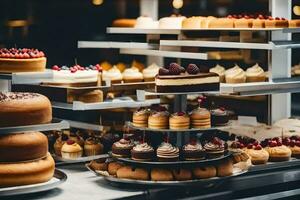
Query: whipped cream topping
113, 74
235, 72
218, 69
132, 73
210, 146
218, 111
142, 111
151, 71
145, 22
167, 150
144, 147
159, 113
193, 147
66, 76
172, 22
123, 143
255, 70
9, 96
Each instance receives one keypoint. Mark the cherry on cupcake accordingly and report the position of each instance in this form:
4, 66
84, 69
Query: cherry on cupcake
70, 142
279, 143
181, 113
273, 143
258, 147
250, 146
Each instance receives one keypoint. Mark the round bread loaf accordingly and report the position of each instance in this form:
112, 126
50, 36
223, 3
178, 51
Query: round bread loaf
23, 147
19, 109
27, 173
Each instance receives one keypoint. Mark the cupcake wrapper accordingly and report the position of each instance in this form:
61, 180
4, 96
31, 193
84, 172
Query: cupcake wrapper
71, 156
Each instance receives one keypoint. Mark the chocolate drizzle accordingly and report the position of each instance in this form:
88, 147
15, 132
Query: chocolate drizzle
16, 96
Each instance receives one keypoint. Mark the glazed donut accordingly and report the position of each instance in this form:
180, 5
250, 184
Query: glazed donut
27, 173
23, 147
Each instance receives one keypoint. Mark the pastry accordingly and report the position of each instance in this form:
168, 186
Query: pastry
113, 75
150, 72
71, 150
105, 66
22, 60
257, 154
23, 147
219, 117
225, 168
294, 144
99, 165
295, 23
243, 162
59, 143
215, 148
295, 71
204, 172
128, 172
243, 23
76, 138
142, 152
166, 152
132, 75
140, 117
179, 120
113, 167
176, 79
192, 22
122, 148
182, 174
125, 23
18, 109
221, 23
161, 175
276, 23
144, 22
206, 21
27, 173
193, 151
140, 66
200, 118
235, 75
159, 119
255, 74
277, 151
92, 147
86, 96
172, 22
121, 66
218, 69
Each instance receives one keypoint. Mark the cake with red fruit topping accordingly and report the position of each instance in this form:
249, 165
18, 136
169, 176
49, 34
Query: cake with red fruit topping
219, 116
245, 22
22, 60
257, 154
215, 148
276, 22
176, 78
277, 151
179, 120
293, 143
193, 150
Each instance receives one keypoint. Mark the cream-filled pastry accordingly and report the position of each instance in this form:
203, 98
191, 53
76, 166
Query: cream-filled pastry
235, 75
255, 74
150, 72
220, 70
131, 75
114, 75
144, 22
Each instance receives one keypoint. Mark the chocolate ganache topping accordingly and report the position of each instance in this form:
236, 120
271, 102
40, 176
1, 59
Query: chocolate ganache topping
8, 96
167, 150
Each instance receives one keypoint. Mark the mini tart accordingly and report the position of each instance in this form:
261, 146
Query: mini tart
158, 120
258, 157
204, 172
193, 151
132, 75
243, 23
128, 172
200, 118
235, 75
161, 175
10, 65
279, 153
92, 147
219, 117
166, 152
179, 120
215, 148
255, 74
192, 22
182, 174
140, 117
122, 148
59, 143
218, 69
142, 152
71, 150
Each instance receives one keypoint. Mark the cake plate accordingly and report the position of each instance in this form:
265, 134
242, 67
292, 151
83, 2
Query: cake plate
58, 178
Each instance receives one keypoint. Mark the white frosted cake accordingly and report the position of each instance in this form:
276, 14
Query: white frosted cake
146, 23
171, 22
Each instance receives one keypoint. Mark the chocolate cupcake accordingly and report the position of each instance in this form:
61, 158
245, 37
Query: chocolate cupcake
166, 152
142, 152
193, 151
122, 148
219, 117
215, 148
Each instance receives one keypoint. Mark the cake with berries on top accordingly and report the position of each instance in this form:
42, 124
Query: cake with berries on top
175, 78
22, 60
277, 150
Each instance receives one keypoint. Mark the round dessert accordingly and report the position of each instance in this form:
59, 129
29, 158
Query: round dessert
182, 174
161, 175
71, 150
59, 143
128, 23
295, 23
144, 22
179, 120
220, 70
92, 147
225, 168
200, 118
140, 117
193, 151
142, 152
18, 109
166, 152
219, 117
23, 147
113, 167
128, 172
99, 165
255, 74
277, 151
158, 120
294, 144
205, 172
132, 75
215, 148
122, 148
113, 75
150, 72
27, 173
257, 154
22, 60
241, 160
235, 75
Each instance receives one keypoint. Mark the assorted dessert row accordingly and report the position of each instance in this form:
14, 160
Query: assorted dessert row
166, 152
160, 118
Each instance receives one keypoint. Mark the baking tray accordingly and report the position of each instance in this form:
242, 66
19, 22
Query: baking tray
59, 178
130, 161
54, 125
61, 161
276, 165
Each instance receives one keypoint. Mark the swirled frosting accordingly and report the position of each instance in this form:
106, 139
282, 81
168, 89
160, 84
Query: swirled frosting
145, 22
218, 69
9, 96
132, 73
255, 71
219, 112
123, 143
160, 113
151, 71
167, 150
112, 74
213, 146
142, 111
144, 147
193, 147
235, 72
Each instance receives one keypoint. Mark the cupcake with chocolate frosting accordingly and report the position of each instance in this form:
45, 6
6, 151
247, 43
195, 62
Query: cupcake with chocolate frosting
142, 152
193, 151
215, 148
122, 148
166, 152
219, 116
255, 74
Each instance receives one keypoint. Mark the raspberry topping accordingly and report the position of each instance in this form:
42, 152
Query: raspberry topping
258, 147
21, 53
192, 69
163, 71
70, 142
174, 69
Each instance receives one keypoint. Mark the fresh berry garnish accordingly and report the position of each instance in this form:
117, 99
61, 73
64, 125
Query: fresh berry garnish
163, 71
297, 143
73, 70
192, 69
217, 141
70, 142
55, 67
250, 146
161, 109
279, 143
270, 18
180, 113
273, 143
241, 146
99, 68
255, 143
193, 141
277, 18
173, 65
292, 143
174, 69
258, 147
